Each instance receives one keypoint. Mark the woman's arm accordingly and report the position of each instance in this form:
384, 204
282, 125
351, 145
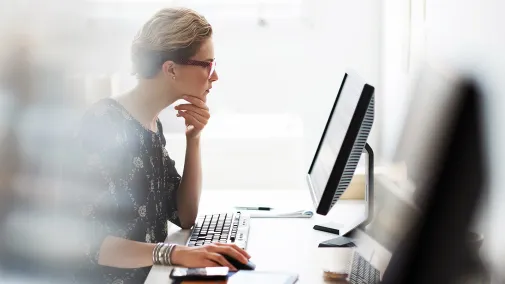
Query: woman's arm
196, 115
122, 253
188, 194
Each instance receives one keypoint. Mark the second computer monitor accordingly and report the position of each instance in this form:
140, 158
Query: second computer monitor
342, 142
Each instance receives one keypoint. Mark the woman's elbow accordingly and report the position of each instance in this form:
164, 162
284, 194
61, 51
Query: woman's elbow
187, 224
187, 218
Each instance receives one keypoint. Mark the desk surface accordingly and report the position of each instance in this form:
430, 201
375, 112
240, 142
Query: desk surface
277, 244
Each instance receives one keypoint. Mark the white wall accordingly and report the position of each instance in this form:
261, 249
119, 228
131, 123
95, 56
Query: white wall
345, 35
394, 71
468, 35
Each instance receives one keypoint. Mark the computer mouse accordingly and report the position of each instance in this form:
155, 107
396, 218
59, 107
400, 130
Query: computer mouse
239, 265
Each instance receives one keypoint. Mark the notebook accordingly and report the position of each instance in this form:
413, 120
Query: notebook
264, 277
281, 214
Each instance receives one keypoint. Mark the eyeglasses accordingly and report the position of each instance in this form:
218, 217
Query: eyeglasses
207, 64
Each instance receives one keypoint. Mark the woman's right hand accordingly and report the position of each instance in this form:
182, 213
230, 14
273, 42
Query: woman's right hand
208, 255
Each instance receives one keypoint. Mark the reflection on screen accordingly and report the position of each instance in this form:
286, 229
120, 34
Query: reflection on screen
335, 134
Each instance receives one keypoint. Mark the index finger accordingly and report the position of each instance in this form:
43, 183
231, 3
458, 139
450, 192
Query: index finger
196, 101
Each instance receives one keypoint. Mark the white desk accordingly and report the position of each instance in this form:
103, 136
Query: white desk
276, 244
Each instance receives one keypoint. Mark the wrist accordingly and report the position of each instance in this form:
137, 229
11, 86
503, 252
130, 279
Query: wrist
193, 140
149, 251
177, 255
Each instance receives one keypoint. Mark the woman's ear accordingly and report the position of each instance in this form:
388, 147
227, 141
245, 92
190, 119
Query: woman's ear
168, 69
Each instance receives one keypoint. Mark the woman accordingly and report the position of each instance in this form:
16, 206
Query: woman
132, 187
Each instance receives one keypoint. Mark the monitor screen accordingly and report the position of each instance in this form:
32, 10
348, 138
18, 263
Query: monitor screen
333, 137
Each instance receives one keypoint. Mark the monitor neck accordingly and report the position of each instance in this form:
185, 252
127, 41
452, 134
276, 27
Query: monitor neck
369, 186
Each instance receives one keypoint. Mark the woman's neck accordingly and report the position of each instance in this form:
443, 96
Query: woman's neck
145, 103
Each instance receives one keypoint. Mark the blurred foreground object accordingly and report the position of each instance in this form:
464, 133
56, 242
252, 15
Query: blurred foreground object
36, 116
443, 148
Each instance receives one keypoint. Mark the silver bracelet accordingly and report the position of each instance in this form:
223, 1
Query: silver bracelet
162, 254
169, 254
156, 250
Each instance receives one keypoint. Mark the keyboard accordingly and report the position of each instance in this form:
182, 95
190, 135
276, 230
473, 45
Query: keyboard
226, 228
362, 271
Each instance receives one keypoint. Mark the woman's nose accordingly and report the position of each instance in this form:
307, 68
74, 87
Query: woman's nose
214, 76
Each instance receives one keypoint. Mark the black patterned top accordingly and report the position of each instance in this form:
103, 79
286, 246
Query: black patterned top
131, 185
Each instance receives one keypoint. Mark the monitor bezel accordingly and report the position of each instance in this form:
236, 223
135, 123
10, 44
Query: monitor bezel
323, 204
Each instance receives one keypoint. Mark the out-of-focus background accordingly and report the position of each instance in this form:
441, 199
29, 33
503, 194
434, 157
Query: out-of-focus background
280, 64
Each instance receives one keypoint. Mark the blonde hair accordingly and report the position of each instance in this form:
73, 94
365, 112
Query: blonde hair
171, 34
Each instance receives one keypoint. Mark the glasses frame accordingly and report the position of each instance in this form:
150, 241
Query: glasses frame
206, 64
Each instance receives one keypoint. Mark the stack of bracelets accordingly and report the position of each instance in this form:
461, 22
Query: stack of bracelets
161, 254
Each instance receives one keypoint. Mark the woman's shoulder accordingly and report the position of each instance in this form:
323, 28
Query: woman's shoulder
105, 109
102, 123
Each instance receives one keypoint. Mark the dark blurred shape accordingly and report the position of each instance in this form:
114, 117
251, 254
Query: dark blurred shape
439, 247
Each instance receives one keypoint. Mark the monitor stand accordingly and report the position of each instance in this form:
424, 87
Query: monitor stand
331, 227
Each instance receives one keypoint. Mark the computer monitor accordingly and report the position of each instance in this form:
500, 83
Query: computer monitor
342, 143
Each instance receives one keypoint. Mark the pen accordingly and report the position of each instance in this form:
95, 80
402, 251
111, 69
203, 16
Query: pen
255, 208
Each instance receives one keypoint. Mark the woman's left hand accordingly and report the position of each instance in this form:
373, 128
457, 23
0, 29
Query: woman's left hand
196, 114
